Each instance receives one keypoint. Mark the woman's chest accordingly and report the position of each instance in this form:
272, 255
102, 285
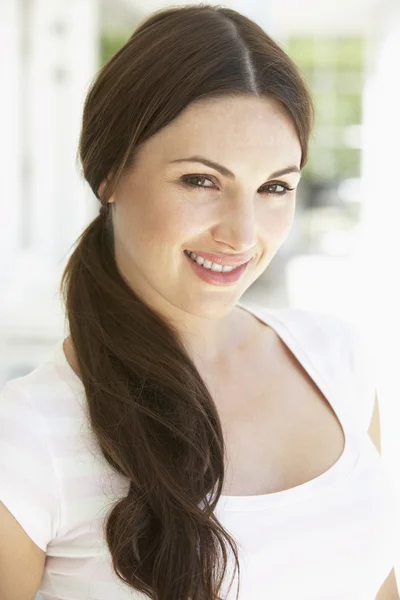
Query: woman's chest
279, 429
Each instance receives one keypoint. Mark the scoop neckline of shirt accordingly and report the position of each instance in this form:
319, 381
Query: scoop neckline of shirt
334, 475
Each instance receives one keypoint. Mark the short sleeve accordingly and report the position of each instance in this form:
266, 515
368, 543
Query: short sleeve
27, 480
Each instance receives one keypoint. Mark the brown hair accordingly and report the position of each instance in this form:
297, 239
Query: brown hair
152, 414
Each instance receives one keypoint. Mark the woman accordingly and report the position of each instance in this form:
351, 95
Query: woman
178, 437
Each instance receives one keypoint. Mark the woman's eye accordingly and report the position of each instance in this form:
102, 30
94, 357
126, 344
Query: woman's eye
189, 179
285, 189
197, 181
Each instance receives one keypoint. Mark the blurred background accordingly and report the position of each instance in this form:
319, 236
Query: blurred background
341, 256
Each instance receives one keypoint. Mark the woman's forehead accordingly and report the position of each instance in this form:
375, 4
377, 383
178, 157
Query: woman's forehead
223, 128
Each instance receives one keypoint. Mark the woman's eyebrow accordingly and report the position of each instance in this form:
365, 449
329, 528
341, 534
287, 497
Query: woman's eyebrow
224, 171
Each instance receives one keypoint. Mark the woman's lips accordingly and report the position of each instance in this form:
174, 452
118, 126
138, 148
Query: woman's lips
223, 259
217, 277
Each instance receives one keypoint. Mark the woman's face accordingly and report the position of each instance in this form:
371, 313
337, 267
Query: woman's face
167, 204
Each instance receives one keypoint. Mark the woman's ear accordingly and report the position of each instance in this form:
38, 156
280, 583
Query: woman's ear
101, 188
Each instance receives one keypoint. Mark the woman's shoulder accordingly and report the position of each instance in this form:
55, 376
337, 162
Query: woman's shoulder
346, 337
52, 472
332, 342
315, 326
52, 389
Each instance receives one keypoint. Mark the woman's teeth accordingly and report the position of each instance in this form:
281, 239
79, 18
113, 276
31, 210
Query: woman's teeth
207, 264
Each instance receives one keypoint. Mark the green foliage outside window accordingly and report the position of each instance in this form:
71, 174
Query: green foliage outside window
110, 43
349, 109
333, 67
348, 163
350, 53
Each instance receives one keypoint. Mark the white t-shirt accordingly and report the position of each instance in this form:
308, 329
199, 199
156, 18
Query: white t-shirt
332, 538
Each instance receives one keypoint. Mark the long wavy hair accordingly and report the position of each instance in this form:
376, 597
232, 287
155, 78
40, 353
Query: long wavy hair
152, 414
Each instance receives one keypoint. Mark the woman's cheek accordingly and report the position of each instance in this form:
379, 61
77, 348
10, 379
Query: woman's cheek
277, 223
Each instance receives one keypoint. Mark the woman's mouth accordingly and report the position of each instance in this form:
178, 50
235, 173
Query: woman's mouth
208, 264
214, 273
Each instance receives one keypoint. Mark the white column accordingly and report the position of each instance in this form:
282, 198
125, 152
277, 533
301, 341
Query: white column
378, 257
53, 48
379, 244
49, 56
63, 60
11, 150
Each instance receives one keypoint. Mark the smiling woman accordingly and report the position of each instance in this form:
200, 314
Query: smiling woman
177, 438
161, 128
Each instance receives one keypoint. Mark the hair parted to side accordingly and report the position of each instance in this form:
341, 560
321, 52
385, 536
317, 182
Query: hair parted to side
152, 414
